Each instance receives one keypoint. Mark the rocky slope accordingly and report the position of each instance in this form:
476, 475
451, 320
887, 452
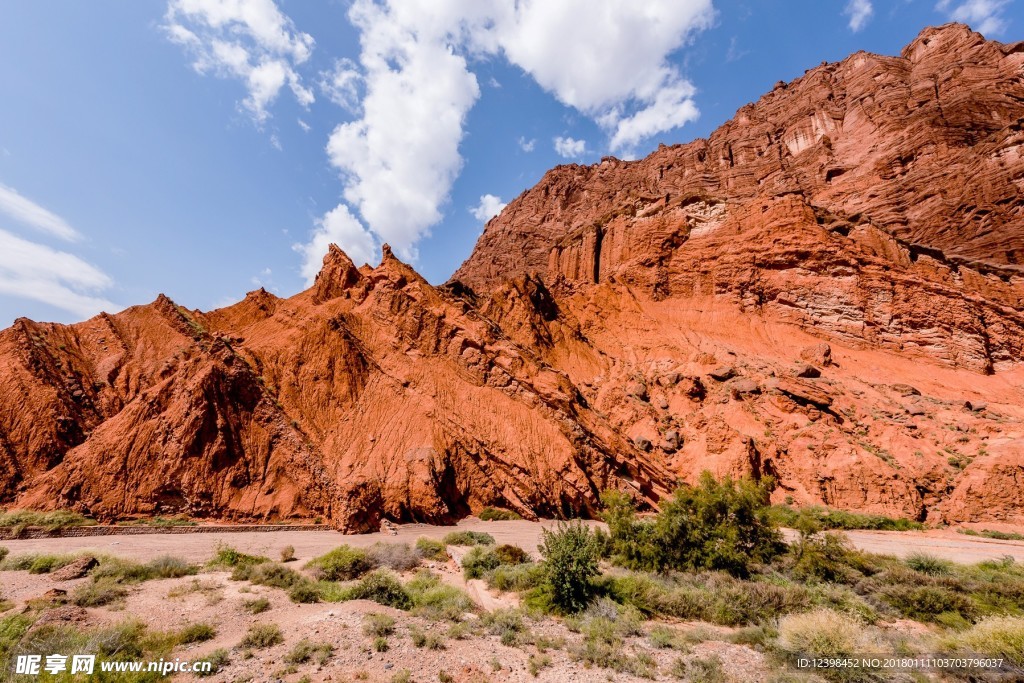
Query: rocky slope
828, 290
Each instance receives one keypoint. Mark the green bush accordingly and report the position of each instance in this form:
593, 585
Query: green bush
341, 564
196, 633
268, 574
382, 587
435, 600
429, 549
305, 592
489, 514
991, 637
50, 521
226, 556
257, 605
3, 553
378, 625
511, 554
825, 557
518, 577
928, 602
715, 525
468, 538
478, 561
218, 659
262, 636
928, 564
570, 564
306, 650
98, 593
788, 516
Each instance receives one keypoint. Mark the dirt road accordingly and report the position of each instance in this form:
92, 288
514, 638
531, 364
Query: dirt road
945, 543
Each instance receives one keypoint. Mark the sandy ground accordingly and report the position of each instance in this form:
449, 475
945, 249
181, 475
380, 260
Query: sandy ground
945, 543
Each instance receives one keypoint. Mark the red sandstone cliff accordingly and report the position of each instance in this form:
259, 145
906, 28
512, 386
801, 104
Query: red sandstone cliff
812, 293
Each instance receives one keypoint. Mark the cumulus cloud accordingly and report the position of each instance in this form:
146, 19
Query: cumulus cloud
985, 16
489, 207
859, 12
249, 40
527, 145
570, 148
35, 271
26, 211
412, 86
342, 228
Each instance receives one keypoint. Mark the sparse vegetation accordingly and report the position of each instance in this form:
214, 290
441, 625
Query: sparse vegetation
787, 516
468, 538
256, 605
381, 586
428, 549
218, 659
490, 514
20, 520
262, 636
226, 556
341, 564
308, 651
984, 533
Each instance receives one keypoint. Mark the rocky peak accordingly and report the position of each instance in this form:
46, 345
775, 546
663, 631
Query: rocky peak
338, 275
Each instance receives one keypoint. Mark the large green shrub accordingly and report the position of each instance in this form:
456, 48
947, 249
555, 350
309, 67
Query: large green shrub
714, 525
570, 556
341, 564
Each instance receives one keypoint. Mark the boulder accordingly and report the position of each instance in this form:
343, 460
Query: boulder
904, 390
722, 373
806, 370
975, 405
75, 570
819, 354
805, 392
742, 386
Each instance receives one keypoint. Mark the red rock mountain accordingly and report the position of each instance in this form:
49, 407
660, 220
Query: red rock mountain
828, 290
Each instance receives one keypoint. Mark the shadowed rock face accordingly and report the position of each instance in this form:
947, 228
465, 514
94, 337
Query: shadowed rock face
849, 248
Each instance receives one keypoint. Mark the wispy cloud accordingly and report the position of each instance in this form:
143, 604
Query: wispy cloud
249, 40
859, 13
489, 207
570, 148
26, 211
527, 145
985, 16
38, 272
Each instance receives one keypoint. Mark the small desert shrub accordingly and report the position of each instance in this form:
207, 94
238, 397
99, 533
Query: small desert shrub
429, 549
256, 605
341, 564
928, 602
50, 521
396, 556
226, 556
828, 634
991, 637
304, 592
36, 563
380, 644
507, 624
262, 635
511, 554
3, 553
98, 593
435, 600
196, 633
170, 567
518, 577
218, 659
382, 587
704, 669
785, 515
268, 574
825, 557
536, 663
376, 624
468, 538
490, 514
928, 564
288, 553
570, 565
306, 650
429, 640
479, 561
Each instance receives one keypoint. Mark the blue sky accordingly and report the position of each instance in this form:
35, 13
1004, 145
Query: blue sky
205, 148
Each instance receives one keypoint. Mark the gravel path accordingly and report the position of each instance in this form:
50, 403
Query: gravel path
945, 543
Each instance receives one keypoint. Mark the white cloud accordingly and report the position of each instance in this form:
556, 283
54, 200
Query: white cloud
400, 158
341, 84
35, 271
26, 211
527, 145
303, 125
609, 59
250, 40
985, 16
570, 148
489, 207
859, 12
340, 227
412, 87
